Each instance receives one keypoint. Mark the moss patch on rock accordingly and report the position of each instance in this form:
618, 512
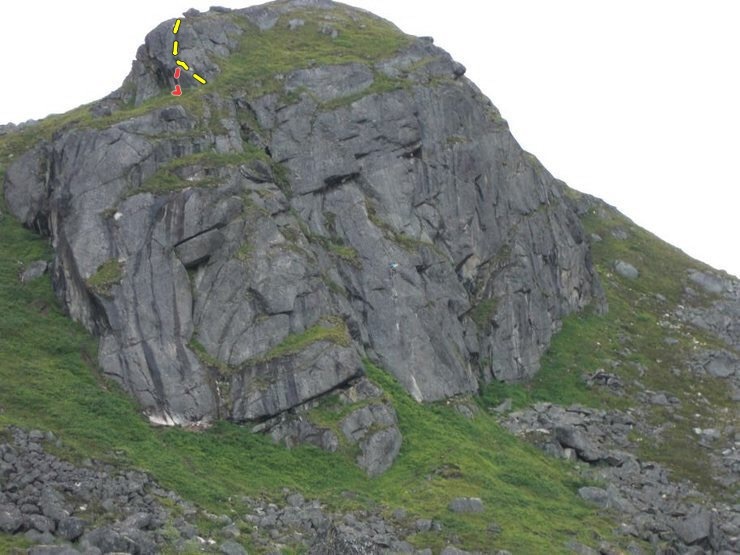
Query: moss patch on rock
105, 277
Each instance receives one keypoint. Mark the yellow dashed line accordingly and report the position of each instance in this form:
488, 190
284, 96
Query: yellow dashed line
175, 50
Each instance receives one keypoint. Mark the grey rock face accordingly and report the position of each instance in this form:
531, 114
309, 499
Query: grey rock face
411, 215
576, 438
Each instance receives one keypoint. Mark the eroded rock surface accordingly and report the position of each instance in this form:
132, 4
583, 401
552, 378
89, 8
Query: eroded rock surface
196, 243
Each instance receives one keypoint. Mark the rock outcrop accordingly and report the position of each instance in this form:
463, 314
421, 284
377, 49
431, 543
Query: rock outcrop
240, 250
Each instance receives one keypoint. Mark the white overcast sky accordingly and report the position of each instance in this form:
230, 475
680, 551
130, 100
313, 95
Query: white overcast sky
637, 102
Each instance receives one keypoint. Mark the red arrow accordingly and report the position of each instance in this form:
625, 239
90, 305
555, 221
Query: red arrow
177, 73
177, 91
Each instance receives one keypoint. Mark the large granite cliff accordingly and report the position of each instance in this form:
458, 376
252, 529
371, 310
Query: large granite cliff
337, 190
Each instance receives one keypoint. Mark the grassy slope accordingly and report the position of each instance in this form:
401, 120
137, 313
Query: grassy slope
630, 336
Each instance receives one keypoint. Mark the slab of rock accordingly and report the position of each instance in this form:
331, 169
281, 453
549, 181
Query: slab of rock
199, 249
466, 505
269, 388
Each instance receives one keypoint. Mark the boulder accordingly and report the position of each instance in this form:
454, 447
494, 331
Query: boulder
722, 364
708, 282
375, 428
596, 496
577, 439
11, 519
626, 270
379, 450
34, 271
694, 528
230, 547
71, 528
41, 523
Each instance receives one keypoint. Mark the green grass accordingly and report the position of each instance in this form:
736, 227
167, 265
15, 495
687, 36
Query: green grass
14, 545
244, 254
403, 240
330, 329
483, 312
263, 56
335, 247
381, 84
106, 276
209, 361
